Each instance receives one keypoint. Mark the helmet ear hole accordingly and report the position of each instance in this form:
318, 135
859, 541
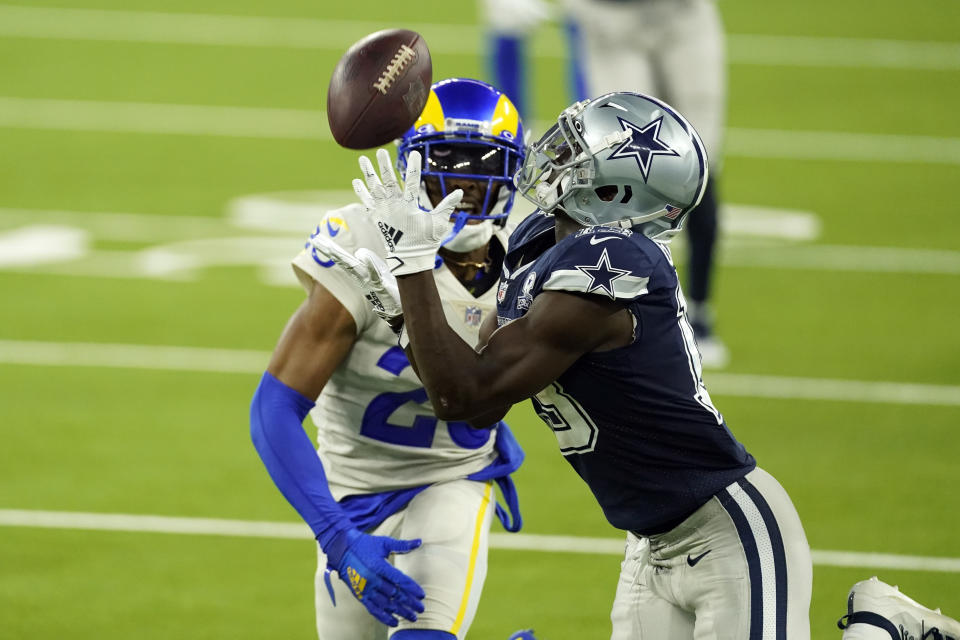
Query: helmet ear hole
607, 192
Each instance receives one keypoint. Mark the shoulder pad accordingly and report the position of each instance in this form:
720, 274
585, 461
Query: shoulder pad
530, 227
350, 228
615, 263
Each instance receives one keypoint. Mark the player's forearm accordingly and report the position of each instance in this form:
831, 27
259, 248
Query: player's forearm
447, 365
488, 419
276, 416
485, 420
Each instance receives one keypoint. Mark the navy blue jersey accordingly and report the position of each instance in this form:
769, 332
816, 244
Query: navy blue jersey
635, 422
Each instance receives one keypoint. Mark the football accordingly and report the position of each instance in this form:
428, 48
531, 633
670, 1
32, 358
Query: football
378, 88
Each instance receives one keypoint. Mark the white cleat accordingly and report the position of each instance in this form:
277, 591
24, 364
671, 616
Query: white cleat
713, 353
877, 611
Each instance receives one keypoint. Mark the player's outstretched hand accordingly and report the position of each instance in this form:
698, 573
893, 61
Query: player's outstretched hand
412, 236
361, 562
369, 272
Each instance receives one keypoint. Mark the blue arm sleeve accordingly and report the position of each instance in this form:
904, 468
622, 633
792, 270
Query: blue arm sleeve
276, 419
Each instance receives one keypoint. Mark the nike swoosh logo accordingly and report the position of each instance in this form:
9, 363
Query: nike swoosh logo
596, 240
333, 232
693, 561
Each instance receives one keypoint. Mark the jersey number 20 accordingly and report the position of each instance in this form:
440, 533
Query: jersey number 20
376, 419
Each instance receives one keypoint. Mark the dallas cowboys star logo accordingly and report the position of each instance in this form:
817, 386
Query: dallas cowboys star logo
602, 274
642, 145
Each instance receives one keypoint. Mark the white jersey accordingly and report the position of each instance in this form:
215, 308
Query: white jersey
377, 430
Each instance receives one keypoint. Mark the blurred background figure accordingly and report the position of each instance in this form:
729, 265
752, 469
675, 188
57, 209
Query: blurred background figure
509, 24
671, 49
674, 50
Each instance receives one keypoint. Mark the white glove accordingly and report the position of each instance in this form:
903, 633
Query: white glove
516, 17
369, 272
412, 236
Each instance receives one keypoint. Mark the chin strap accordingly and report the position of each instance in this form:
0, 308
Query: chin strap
629, 223
458, 225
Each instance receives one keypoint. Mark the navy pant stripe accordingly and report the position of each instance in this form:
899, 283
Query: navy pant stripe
779, 554
749, 544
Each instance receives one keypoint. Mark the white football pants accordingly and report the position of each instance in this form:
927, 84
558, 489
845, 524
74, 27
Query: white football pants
738, 568
453, 520
670, 49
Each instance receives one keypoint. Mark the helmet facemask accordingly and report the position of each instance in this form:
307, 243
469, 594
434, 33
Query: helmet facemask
451, 158
557, 163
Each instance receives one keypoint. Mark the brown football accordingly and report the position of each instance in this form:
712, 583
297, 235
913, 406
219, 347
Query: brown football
378, 88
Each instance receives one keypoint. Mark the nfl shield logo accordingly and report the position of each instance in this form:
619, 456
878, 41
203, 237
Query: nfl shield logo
502, 291
472, 317
526, 295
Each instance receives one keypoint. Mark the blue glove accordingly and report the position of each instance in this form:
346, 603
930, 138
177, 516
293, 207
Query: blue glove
525, 634
360, 561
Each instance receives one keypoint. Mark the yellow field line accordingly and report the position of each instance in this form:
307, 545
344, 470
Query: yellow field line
477, 534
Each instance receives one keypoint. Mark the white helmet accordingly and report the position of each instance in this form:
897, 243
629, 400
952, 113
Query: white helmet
623, 159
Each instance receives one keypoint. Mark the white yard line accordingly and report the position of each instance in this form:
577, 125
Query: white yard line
133, 356
219, 30
449, 39
521, 542
111, 225
275, 218
186, 260
805, 51
790, 388
166, 119
839, 145
152, 524
175, 358
305, 124
848, 258
299, 212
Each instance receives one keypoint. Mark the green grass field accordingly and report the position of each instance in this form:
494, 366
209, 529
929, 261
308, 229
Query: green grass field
125, 143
